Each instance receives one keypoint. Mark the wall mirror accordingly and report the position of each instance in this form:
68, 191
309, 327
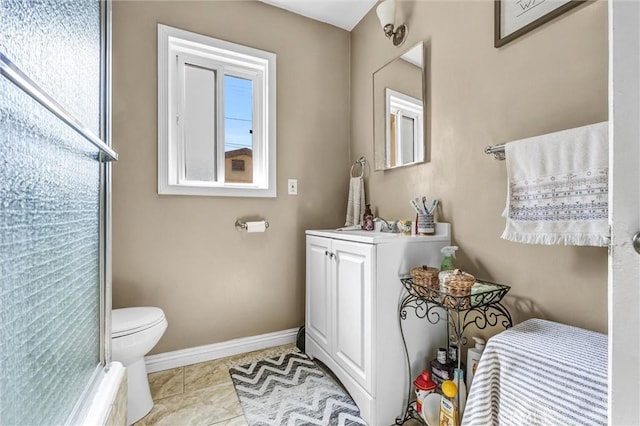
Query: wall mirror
399, 111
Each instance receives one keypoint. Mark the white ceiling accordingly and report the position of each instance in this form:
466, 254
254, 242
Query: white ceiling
341, 13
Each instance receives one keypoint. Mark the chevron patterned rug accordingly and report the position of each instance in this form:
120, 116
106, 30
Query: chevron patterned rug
289, 389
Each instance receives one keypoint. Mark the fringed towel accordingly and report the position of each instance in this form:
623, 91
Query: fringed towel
558, 188
355, 205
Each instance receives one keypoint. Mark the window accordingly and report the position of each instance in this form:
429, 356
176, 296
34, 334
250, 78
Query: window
216, 117
404, 129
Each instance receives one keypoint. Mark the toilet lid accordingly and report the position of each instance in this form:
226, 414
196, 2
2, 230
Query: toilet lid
132, 320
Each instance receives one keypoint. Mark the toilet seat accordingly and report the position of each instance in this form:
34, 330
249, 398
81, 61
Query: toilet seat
128, 321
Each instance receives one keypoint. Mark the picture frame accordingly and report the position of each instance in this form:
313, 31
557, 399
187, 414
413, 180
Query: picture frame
513, 18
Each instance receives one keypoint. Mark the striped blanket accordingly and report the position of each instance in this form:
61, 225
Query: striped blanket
540, 373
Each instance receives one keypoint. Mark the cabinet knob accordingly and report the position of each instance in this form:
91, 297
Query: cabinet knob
332, 255
326, 252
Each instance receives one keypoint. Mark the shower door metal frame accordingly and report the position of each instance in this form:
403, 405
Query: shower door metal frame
105, 187
106, 157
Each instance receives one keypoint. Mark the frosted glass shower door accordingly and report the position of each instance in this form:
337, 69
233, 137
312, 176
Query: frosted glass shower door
49, 261
51, 192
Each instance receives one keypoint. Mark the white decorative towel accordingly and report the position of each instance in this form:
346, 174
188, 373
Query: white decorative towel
355, 205
558, 188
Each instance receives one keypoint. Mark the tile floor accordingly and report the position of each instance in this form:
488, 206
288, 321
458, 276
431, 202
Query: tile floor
202, 394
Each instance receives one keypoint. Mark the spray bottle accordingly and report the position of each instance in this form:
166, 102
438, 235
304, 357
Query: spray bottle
449, 254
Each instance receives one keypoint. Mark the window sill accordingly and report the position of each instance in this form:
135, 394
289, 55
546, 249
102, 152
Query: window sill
218, 191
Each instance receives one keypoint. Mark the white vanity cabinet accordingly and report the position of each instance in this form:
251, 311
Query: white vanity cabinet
339, 275
352, 326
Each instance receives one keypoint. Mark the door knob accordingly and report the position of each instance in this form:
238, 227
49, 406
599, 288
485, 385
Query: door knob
636, 242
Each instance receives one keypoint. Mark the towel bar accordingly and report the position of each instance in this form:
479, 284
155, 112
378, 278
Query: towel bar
9, 70
496, 150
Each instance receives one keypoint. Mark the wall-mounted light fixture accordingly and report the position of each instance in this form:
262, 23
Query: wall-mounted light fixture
387, 15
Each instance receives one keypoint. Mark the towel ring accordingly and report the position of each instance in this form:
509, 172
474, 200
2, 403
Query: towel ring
361, 161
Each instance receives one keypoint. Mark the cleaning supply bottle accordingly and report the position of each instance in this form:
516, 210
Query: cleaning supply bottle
449, 254
367, 219
448, 410
461, 398
447, 263
473, 357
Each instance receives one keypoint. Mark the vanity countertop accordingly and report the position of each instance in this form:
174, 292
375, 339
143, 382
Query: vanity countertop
443, 232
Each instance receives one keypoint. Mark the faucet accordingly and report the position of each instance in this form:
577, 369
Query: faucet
386, 226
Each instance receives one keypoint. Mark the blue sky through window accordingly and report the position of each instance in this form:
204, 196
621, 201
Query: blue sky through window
238, 119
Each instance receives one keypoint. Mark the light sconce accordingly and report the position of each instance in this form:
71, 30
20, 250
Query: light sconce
387, 15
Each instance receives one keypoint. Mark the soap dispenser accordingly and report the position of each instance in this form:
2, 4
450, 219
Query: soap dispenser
367, 219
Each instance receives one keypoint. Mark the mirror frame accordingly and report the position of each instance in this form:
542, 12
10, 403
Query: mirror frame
379, 137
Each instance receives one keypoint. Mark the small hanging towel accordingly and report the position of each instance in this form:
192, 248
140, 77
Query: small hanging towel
355, 203
558, 188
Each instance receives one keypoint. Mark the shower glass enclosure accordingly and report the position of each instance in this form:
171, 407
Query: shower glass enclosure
53, 208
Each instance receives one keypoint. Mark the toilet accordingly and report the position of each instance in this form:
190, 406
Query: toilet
134, 332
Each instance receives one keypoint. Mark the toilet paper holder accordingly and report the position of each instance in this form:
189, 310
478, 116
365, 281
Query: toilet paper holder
241, 225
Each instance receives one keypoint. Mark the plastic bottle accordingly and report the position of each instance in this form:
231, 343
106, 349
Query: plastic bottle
448, 410
452, 362
449, 254
473, 357
439, 368
461, 398
424, 386
367, 219
447, 263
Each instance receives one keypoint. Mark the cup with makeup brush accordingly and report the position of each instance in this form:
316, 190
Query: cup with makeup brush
425, 224
424, 215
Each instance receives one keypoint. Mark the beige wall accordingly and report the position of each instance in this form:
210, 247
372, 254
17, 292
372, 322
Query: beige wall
183, 253
551, 79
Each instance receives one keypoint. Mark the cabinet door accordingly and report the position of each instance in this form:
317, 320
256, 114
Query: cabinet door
353, 274
318, 304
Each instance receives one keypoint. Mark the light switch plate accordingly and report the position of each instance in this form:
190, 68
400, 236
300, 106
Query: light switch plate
292, 186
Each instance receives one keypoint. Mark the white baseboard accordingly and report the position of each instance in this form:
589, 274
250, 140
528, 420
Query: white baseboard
168, 360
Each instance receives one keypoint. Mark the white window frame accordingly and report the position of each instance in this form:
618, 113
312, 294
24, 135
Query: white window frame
401, 105
176, 47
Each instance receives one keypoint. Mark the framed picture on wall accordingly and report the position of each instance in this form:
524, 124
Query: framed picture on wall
514, 18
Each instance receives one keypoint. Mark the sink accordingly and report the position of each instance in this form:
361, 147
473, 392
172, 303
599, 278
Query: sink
373, 233
374, 237
369, 236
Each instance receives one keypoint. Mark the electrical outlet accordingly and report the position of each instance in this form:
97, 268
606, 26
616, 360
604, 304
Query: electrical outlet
292, 186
